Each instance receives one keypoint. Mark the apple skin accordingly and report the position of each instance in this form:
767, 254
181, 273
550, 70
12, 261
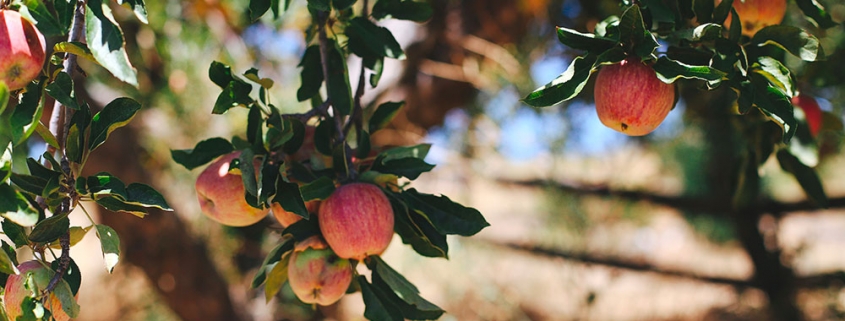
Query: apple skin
286, 218
221, 195
357, 221
812, 112
757, 14
22, 50
316, 274
16, 291
631, 99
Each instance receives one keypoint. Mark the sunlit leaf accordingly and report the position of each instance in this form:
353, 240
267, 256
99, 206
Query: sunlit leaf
110, 244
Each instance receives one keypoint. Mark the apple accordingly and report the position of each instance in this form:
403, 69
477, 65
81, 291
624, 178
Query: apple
286, 218
357, 221
316, 274
631, 99
221, 194
22, 50
812, 112
16, 290
757, 14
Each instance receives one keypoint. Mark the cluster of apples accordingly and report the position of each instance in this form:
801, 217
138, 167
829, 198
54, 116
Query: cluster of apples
632, 100
355, 221
22, 50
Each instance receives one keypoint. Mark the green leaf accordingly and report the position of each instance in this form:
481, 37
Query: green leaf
110, 244
417, 151
703, 10
343, 4
276, 278
720, 14
339, 90
204, 152
635, 36
76, 138
145, 196
15, 232
15, 207
366, 39
583, 41
417, 307
564, 87
806, 176
383, 115
65, 294
377, 66
76, 48
4, 97
312, 74
669, 70
44, 20
297, 129
258, 8
71, 275
319, 189
105, 185
377, 306
248, 176
816, 13
778, 108
416, 231
27, 114
220, 74
235, 94
115, 115
288, 195
776, 73
704, 32
138, 7
797, 41
105, 40
447, 216
254, 128
64, 12
49, 229
405, 167
7, 265
402, 10
319, 5
62, 89
272, 258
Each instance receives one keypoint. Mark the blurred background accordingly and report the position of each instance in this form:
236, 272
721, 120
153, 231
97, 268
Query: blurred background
586, 223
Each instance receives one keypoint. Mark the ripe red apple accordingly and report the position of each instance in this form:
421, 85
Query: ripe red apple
357, 221
286, 218
812, 112
22, 50
16, 290
631, 99
757, 14
221, 195
318, 275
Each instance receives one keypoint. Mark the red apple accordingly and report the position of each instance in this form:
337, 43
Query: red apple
812, 112
286, 218
16, 290
22, 50
316, 274
221, 195
357, 221
757, 14
631, 99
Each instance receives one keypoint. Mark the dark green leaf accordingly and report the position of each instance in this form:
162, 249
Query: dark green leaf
405, 167
776, 73
383, 115
105, 40
778, 108
115, 115
564, 87
7, 264
272, 258
447, 216
298, 131
414, 307
248, 176
138, 7
722, 11
323, 137
220, 74
703, 10
25, 118
417, 151
205, 151
816, 13
342, 4
414, 234
377, 66
797, 41
110, 244
339, 160
806, 176
367, 39
50, 229
146, 196
254, 128
72, 275
402, 9
704, 32
258, 8
44, 20
15, 232
117, 204
635, 36
235, 94
377, 307
104, 185
319, 5
583, 41
339, 90
269, 174
362, 151
64, 12
62, 89
76, 137
319, 189
669, 70
15, 207
30, 184
312, 74
288, 195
